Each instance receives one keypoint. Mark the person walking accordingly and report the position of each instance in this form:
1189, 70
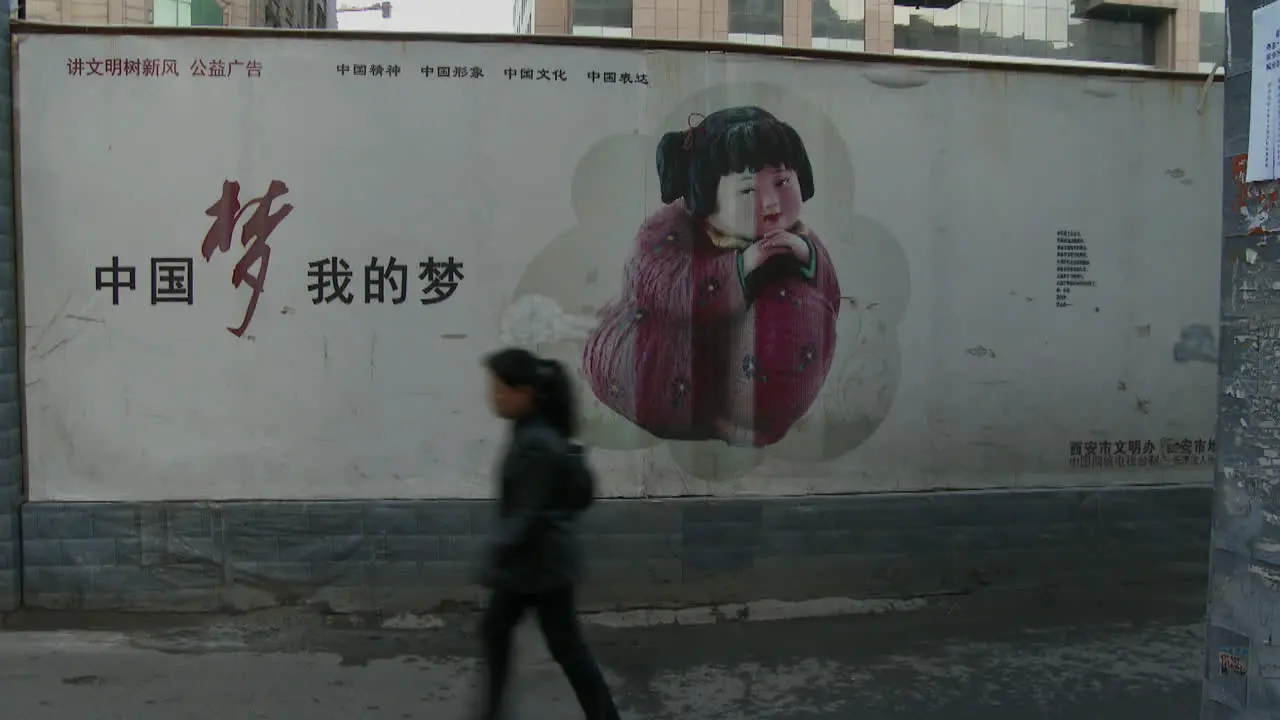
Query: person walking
534, 561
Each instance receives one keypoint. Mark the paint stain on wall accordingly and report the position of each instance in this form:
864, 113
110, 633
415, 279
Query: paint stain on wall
1196, 344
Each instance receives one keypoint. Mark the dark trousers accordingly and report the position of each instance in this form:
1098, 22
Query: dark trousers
557, 616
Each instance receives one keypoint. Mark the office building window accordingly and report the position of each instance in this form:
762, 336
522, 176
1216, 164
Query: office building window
839, 24
316, 15
187, 13
755, 39
522, 19
602, 13
759, 18
600, 31
1027, 28
1213, 33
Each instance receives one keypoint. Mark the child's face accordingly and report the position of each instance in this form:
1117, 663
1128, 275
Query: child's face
752, 205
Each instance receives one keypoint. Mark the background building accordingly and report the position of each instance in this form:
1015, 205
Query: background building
1183, 35
182, 13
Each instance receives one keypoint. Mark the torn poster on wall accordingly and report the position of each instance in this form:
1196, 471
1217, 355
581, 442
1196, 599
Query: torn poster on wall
1264, 112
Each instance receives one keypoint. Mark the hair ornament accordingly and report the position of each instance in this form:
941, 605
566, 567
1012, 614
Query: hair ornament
695, 119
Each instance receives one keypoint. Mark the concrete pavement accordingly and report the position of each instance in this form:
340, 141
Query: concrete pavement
995, 658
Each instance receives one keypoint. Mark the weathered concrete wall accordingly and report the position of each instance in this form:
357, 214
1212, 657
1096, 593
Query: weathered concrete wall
416, 554
1008, 425
11, 490
947, 254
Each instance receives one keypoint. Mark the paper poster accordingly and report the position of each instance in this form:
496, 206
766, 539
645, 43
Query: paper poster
1264, 112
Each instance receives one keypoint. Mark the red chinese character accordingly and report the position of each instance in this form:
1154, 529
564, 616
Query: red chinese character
255, 232
95, 66
75, 66
150, 68
169, 67
133, 67
114, 66
253, 68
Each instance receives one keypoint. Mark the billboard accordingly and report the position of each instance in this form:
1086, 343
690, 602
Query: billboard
268, 268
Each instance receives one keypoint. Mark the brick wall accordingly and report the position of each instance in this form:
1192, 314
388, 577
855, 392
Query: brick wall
10, 418
417, 555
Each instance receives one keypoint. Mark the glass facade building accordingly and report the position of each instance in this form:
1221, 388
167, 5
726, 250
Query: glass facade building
1186, 35
299, 14
1045, 29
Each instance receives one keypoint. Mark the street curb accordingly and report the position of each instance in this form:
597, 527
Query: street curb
755, 611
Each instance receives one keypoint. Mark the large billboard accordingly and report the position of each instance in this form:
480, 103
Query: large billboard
268, 268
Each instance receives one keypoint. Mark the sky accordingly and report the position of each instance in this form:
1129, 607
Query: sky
463, 16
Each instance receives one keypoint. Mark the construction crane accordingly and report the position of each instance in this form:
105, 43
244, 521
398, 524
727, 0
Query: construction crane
384, 6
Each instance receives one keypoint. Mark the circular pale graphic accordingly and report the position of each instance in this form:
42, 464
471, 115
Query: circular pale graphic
582, 269
554, 307
852, 405
874, 282
864, 376
714, 460
601, 426
611, 181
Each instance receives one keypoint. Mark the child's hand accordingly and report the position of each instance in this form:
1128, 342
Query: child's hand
774, 245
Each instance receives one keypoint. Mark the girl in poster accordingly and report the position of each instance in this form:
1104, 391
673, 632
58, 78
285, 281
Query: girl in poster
725, 327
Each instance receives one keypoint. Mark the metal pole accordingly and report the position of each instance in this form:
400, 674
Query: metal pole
1242, 668
11, 483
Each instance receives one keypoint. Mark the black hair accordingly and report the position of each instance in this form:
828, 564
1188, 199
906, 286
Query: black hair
554, 398
734, 140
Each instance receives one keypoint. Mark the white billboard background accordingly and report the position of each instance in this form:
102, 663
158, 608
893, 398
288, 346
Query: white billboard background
955, 367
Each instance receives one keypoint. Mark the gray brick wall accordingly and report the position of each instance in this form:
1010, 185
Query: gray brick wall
418, 555
11, 490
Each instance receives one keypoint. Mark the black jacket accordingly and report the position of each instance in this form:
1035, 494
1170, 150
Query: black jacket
534, 547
